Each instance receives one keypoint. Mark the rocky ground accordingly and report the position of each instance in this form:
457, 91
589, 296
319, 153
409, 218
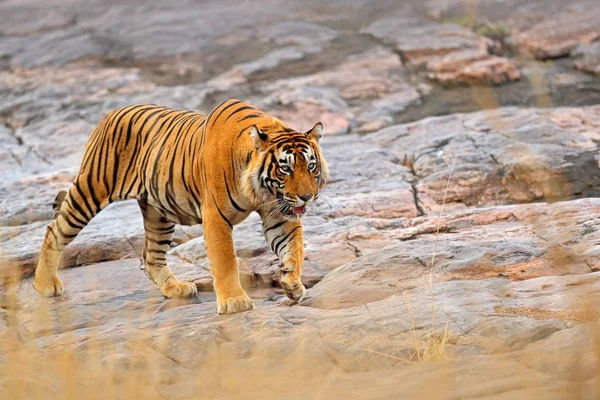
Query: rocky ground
461, 213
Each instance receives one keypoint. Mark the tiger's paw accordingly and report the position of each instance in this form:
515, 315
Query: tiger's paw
292, 286
295, 292
235, 304
48, 285
174, 289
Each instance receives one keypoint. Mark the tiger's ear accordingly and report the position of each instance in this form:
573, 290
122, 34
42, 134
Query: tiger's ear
261, 139
316, 132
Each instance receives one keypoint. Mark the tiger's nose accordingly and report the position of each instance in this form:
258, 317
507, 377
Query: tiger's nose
305, 197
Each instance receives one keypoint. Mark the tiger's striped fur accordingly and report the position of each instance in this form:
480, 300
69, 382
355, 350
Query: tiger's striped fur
188, 168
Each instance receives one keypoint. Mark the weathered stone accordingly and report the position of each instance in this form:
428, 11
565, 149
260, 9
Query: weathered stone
589, 58
512, 242
374, 81
31, 199
546, 29
490, 69
503, 156
299, 33
450, 53
422, 39
558, 34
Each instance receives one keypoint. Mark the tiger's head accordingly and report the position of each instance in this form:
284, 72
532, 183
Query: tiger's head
289, 171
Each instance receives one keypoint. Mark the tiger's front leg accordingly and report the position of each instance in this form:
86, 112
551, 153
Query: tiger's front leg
285, 239
218, 236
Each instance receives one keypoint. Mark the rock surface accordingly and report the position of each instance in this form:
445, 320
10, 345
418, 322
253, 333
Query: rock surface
453, 256
557, 34
589, 58
547, 29
450, 53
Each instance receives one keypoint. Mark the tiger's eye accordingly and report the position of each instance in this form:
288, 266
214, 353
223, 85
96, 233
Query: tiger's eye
285, 169
312, 166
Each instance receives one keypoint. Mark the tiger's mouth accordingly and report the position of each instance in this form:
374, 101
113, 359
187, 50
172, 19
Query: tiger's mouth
298, 210
289, 208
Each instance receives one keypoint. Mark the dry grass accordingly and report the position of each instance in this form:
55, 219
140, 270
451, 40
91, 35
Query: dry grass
435, 346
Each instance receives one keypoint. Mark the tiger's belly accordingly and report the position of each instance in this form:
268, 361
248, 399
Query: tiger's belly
184, 219
180, 215
178, 201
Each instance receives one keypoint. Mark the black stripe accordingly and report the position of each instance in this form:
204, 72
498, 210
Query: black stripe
146, 156
284, 239
62, 234
168, 230
117, 134
136, 151
115, 167
221, 213
96, 163
159, 242
174, 155
274, 226
242, 131
154, 186
250, 116
155, 251
166, 114
235, 205
73, 224
53, 235
85, 200
233, 169
238, 110
77, 219
161, 229
190, 187
223, 110
77, 206
138, 113
266, 160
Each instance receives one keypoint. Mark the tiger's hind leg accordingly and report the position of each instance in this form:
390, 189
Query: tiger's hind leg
72, 212
159, 232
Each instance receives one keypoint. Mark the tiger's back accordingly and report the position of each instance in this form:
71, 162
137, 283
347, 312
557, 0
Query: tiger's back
145, 152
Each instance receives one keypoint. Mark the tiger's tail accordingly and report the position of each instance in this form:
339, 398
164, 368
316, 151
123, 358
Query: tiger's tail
60, 198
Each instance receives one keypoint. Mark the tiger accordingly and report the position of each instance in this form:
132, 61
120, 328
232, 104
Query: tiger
185, 167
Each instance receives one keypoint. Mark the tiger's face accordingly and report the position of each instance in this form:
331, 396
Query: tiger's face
291, 170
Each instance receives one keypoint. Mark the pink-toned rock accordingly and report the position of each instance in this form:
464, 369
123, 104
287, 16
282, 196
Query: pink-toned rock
558, 34
489, 69
371, 126
367, 87
545, 29
419, 40
498, 157
448, 52
589, 58
386, 204
304, 115
518, 242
